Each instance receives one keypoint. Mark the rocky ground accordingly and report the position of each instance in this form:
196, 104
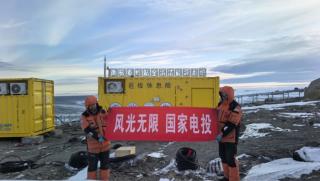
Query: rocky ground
290, 133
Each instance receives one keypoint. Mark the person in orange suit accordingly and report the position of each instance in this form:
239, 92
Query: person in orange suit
92, 123
229, 117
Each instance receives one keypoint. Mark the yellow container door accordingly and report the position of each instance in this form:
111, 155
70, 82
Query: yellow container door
14, 115
203, 97
44, 106
44, 115
38, 106
9, 113
48, 105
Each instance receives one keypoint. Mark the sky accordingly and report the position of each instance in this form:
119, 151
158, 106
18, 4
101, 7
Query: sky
248, 43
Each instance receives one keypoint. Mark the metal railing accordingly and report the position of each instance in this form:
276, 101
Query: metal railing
270, 97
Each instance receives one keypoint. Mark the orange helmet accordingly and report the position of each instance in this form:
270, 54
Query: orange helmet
90, 100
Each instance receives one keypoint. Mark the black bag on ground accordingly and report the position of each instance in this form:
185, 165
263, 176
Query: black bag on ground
15, 166
186, 159
79, 160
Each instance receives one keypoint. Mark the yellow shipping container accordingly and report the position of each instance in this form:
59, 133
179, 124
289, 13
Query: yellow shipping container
159, 91
26, 107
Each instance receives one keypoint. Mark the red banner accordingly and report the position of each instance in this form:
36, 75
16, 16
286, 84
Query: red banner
161, 124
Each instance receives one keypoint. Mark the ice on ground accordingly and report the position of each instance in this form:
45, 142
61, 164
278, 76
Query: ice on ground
278, 106
310, 154
252, 130
316, 125
157, 155
279, 169
298, 114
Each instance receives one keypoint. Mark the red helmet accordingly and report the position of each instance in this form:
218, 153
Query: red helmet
90, 100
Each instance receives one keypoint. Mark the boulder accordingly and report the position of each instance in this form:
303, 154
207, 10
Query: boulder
32, 140
313, 90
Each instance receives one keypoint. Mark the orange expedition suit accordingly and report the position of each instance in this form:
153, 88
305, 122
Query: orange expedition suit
229, 116
98, 147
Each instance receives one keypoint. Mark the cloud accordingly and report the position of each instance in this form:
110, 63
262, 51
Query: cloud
274, 64
13, 24
52, 22
65, 16
261, 85
155, 54
226, 76
76, 80
306, 61
290, 58
5, 66
241, 41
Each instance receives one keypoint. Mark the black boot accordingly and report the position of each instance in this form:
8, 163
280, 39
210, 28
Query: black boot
224, 179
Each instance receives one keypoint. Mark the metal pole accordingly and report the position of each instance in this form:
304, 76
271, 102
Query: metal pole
104, 67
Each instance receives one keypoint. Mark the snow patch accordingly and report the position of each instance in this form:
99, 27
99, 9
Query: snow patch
282, 130
310, 154
250, 111
316, 125
200, 173
299, 125
171, 166
279, 169
19, 176
11, 151
298, 114
81, 175
279, 106
157, 155
165, 179
243, 156
252, 130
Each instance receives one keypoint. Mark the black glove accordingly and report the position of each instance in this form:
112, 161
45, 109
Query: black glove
228, 127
